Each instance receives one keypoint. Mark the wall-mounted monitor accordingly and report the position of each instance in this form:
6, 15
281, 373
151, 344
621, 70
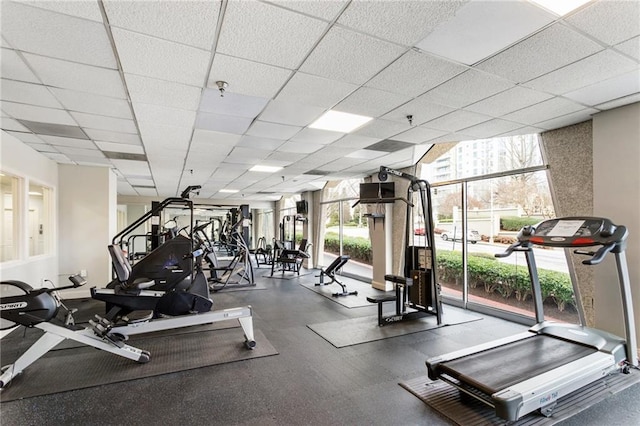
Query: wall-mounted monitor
383, 191
302, 207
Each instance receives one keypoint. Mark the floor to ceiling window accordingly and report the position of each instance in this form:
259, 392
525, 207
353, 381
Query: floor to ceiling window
9, 185
483, 193
347, 228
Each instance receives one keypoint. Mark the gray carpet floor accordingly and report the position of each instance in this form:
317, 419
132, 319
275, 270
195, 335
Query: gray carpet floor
309, 382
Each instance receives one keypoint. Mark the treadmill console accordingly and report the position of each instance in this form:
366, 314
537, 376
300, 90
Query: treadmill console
573, 232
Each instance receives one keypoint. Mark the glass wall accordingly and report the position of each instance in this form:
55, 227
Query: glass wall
9, 228
347, 228
40, 224
487, 188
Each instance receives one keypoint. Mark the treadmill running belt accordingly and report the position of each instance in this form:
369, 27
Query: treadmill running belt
503, 366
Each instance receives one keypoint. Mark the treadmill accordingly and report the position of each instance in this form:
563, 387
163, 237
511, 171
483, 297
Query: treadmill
532, 370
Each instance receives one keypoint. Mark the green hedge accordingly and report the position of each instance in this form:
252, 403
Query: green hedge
357, 247
515, 223
505, 279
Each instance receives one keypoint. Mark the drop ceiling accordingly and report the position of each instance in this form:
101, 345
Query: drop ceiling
131, 85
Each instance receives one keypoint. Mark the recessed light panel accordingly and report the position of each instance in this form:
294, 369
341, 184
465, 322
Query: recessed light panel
265, 169
229, 191
337, 121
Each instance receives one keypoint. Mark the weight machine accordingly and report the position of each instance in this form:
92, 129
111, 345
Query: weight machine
417, 292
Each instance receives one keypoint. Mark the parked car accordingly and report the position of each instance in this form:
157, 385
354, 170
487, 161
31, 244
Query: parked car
419, 231
472, 236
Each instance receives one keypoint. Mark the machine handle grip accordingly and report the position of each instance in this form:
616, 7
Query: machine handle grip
517, 246
597, 256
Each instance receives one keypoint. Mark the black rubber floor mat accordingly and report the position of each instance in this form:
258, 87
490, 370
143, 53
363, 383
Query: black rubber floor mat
445, 399
83, 367
352, 301
365, 329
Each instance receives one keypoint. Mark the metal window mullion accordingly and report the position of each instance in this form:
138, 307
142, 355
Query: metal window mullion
465, 272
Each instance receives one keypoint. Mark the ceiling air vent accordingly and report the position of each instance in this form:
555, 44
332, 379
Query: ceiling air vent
124, 156
52, 129
317, 172
389, 145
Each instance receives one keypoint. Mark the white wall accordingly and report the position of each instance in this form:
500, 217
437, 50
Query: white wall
616, 195
21, 160
87, 222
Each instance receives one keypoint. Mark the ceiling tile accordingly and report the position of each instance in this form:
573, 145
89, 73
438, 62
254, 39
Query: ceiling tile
94, 104
58, 157
260, 143
11, 124
407, 75
528, 130
343, 163
28, 93
607, 90
25, 137
147, 56
220, 144
231, 104
316, 136
598, 67
192, 23
42, 147
37, 114
420, 110
157, 136
471, 34
159, 92
403, 22
457, 120
222, 123
240, 152
109, 136
120, 147
567, 120
79, 77
418, 135
382, 129
87, 9
626, 100
630, 47
290, 113
348, 56
132, 168
268, 34
60, 36
467, 88
247, 77
312, 90
548, 50
298, 147
547, 110
326, 10
164, 115
371, 102
14, 68
102, 122
146, 192
355, 141
71, 152
609, 21
68, 142
272, 130
366, 154
508, 101
491, 128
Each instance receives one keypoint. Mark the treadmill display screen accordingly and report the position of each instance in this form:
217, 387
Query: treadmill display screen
565, 228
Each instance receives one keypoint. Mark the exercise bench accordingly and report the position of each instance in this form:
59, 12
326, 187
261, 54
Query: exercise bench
400, 282
330, 272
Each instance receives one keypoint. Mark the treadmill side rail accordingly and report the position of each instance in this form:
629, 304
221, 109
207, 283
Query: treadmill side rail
545, 389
